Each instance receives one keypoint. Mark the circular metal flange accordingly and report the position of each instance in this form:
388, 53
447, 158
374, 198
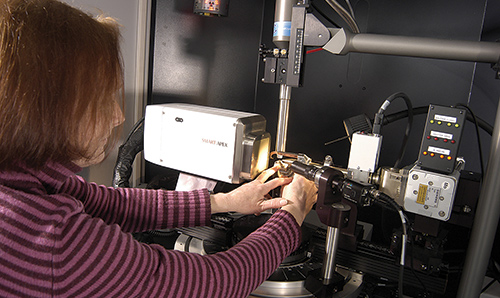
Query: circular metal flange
296, 289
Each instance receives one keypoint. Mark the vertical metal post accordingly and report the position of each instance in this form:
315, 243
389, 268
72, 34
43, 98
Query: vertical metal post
331, 245
485, 223
283, 117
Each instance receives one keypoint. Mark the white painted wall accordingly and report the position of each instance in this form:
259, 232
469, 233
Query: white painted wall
133, 15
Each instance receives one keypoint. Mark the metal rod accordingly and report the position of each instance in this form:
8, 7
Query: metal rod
344, 42
331, 245
485, 223
283, 117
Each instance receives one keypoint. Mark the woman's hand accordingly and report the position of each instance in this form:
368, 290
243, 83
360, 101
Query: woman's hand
301, 195
252, 197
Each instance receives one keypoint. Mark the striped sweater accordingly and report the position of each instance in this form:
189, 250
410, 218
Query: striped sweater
63, 237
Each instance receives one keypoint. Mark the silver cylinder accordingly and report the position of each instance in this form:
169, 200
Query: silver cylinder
344, 42
331, 245
426, 47
282, 23
285, 92
485, 223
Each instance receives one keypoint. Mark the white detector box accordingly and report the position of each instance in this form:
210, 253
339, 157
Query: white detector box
224, 145
363, 157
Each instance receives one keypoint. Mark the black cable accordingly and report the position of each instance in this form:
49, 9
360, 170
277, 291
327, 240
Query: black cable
126, 155
404, 114
407, 131
478, 137
134, 128
384, 199
400, 282
379, 116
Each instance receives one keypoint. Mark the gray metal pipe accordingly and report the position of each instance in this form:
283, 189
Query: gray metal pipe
331, 246
485, 223
281, 133
343, 42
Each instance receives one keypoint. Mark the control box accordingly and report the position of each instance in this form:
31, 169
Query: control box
441, 138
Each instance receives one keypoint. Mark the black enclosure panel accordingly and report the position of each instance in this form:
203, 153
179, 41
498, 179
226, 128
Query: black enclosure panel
206, 60
215, 62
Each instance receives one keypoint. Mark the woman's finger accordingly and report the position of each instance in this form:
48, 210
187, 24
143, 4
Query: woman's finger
270, 185
266, 174
273, 203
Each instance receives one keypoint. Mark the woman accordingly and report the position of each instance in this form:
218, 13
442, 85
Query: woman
61, 236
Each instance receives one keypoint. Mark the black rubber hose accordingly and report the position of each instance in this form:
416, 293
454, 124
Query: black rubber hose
126, 155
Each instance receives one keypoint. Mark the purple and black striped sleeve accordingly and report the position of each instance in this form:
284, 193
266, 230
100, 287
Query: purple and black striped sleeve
137, 210
94, 257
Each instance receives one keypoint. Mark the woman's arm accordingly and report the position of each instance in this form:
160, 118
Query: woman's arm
94, 259
137, 210
115, 264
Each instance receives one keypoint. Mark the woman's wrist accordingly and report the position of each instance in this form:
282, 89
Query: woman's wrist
295, 212
218, 203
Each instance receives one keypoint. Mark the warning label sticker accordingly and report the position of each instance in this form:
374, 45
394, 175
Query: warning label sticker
428, 195
422, 194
